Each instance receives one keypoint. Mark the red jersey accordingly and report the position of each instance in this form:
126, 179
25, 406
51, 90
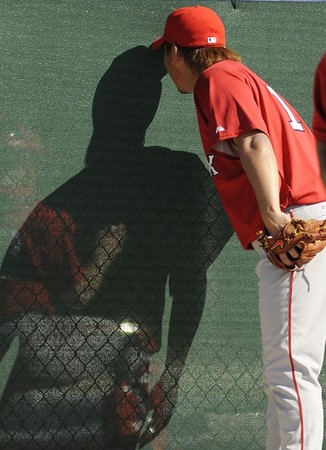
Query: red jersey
230, 101
319, 116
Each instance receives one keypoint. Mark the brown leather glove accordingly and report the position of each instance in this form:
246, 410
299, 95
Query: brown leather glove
308, 237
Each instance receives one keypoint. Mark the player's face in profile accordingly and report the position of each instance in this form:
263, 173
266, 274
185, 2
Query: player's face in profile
176, 68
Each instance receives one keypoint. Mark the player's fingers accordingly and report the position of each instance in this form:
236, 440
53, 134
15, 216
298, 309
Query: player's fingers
289, 257
287, 260
295, 252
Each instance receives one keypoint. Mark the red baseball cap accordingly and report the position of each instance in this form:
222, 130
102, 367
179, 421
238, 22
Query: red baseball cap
193, 26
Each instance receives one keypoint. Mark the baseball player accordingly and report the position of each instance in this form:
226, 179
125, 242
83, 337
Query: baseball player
319, 115
263, 160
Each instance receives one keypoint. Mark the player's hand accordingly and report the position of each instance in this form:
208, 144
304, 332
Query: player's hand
274, 225
163, 399
296, 244
294, 253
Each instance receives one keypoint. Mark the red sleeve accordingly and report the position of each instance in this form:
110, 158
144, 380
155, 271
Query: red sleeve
227, 104
319, 114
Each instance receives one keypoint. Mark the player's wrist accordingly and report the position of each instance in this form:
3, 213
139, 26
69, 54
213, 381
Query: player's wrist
275, 222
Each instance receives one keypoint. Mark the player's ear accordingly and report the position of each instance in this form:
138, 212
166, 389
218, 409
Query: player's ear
175, 53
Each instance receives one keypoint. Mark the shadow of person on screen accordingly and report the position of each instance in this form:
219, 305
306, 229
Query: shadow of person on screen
86, 281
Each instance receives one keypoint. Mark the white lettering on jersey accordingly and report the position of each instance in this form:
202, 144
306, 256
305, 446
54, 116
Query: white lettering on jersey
211, 169
219, 129
293, 121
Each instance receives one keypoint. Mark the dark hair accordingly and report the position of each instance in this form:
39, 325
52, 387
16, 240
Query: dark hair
199, 59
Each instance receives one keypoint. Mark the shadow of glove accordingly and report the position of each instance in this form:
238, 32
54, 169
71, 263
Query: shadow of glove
162, 402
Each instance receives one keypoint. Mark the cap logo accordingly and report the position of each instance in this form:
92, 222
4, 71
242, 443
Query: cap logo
211, 40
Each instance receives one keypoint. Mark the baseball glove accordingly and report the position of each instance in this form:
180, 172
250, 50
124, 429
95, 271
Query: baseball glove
308, 237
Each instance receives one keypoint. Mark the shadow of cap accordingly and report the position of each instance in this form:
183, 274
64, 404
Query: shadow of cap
126, 101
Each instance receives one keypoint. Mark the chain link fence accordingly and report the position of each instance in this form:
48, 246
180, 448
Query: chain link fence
85, 282
85, 286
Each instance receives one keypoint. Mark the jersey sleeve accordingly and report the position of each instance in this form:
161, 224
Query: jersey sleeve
319, 114
227, 106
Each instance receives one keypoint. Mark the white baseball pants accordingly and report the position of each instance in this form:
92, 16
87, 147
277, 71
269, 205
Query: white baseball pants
292, 307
